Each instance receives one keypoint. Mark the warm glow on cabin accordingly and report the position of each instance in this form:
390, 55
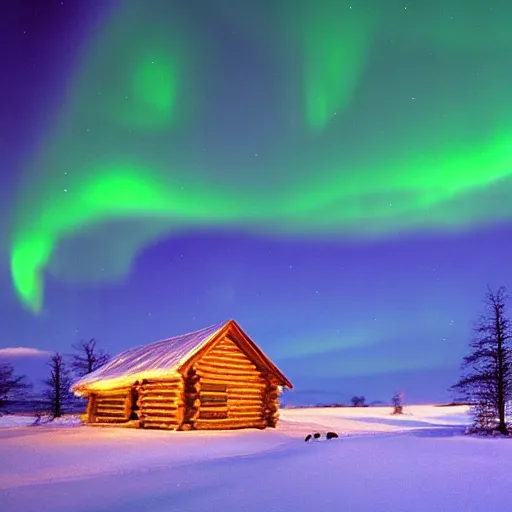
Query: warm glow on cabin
123, 382
216, 378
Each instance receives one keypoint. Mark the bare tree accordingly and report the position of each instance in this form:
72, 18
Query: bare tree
58, 385
12, 387
486, 381
358, 401
88, 357
398, 403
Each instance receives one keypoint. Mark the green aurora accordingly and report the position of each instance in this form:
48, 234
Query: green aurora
142, 83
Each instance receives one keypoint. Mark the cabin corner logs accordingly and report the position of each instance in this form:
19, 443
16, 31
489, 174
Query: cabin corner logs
223, 389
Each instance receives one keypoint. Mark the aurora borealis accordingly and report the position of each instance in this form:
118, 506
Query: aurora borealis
334, 175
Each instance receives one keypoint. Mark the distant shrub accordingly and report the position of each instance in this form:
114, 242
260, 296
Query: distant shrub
398, 403
358, 401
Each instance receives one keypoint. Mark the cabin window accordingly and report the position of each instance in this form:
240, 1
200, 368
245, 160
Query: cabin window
213, 388
214, 401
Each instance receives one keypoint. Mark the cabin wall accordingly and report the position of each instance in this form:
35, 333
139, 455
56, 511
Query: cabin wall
232, 391
160, 403
149, 404
113, 406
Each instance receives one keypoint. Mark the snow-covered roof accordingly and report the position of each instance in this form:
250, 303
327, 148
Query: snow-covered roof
158, 359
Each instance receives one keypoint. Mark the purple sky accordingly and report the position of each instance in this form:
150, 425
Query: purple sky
340, 316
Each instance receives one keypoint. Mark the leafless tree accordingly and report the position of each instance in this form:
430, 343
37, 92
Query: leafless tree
12, 387
87, 358
486, 381
58, 385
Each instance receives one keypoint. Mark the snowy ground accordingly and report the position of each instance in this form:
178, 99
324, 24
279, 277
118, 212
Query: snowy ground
382, 463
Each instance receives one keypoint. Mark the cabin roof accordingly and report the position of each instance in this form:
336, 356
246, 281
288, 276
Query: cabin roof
162, 359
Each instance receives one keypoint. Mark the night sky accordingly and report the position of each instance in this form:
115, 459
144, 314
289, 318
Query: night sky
334, 175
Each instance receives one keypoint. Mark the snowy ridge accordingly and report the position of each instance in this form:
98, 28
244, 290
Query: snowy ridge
417, 462
147, 361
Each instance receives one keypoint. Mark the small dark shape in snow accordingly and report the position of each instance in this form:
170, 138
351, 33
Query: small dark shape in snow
308, 438
331, 435
316, 435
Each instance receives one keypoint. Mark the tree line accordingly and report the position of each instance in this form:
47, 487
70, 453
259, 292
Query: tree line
397, 400
63, 370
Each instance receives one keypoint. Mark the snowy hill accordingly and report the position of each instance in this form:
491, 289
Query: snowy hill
416, 462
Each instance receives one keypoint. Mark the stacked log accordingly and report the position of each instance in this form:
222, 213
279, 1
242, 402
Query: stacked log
159, 403
135, 412
271, 403
113, 406
190, 399
232, 388
229, 424
91, 405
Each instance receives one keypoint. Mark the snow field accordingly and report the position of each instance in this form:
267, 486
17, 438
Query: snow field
381, 463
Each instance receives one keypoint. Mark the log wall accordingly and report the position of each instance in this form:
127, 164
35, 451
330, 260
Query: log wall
114, 406
160, 403
232, 390
270, 402
190, 399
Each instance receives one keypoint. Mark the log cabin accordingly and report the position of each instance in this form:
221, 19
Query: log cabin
215, 378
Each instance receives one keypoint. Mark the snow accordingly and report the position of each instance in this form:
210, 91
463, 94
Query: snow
382, 463
16, 420
27, 420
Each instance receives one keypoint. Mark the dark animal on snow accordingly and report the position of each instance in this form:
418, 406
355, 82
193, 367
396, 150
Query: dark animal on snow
308, 438
331, 435
316, 435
